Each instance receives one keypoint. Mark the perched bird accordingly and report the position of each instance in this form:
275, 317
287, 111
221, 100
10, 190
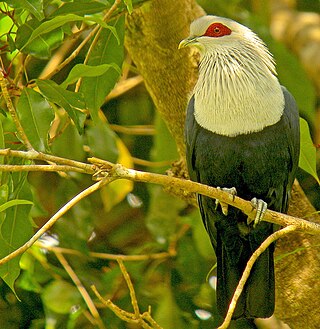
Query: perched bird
242, 131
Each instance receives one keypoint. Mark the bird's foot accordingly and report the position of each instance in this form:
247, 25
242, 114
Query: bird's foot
224, 206
261, 207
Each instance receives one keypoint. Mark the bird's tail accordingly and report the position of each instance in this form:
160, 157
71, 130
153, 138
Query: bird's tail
257, 298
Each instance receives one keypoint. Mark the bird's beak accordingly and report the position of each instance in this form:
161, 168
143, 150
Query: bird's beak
188, 42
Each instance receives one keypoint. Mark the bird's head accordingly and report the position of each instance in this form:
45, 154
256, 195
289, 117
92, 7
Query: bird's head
209, 32
214, 35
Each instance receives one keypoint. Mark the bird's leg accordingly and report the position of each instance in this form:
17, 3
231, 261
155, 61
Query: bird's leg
224, 206
261, 207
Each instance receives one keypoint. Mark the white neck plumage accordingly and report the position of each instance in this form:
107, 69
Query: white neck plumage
237, 91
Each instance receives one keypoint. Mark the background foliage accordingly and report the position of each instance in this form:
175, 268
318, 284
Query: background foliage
69, 110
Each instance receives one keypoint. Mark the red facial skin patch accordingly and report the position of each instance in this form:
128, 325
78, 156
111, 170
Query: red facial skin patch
217, 30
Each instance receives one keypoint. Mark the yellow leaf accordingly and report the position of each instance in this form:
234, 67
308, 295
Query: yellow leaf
116, 191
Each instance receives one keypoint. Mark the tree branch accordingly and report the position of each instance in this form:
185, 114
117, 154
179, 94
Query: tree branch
107, 172
128, 258
55, 217
84, 293
118, 171
34, 155
50, 168
144, 320
168, 74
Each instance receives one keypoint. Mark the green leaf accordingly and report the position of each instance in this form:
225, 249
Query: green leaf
164, 147
70, 101
35, 115
42, 44
4, 194
112, 194
307, 159
12, 45
167, 314
82, 70
102, 142
13, 203
55, 23
129, 6
78, 8
35, 7
200, 236
70, 136
60, 296
107, 51
15, 226
163, 224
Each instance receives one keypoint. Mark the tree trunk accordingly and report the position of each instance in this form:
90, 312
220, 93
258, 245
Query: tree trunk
153, 35
297, 274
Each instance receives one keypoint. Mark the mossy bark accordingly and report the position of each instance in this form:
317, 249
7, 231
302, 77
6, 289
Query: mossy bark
153, 35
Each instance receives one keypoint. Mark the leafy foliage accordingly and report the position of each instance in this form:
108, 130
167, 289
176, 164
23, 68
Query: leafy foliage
61, 60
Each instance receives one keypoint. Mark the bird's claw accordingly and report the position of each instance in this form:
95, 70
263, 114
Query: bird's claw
261, 207
224, 206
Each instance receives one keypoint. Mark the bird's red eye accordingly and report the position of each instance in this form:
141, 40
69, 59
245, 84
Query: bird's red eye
217, 30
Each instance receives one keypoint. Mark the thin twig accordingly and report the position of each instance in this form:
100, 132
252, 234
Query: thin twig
73, 55
50, 168
13, 113
34, 155
147, 316
133, 297
151, 164
84, 293
76, 52
129, 258
124, 86
143, 320
264, 245
122, 314
134, 130
60, 54
55, 217
96, 35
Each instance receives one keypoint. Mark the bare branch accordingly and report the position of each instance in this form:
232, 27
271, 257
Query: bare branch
128, 258
76, 52
131, 289
34, 155
55, 217
120, 313
97, 31
134, 130
118, 171
144, 320
50, 168
84, 293
123, 86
